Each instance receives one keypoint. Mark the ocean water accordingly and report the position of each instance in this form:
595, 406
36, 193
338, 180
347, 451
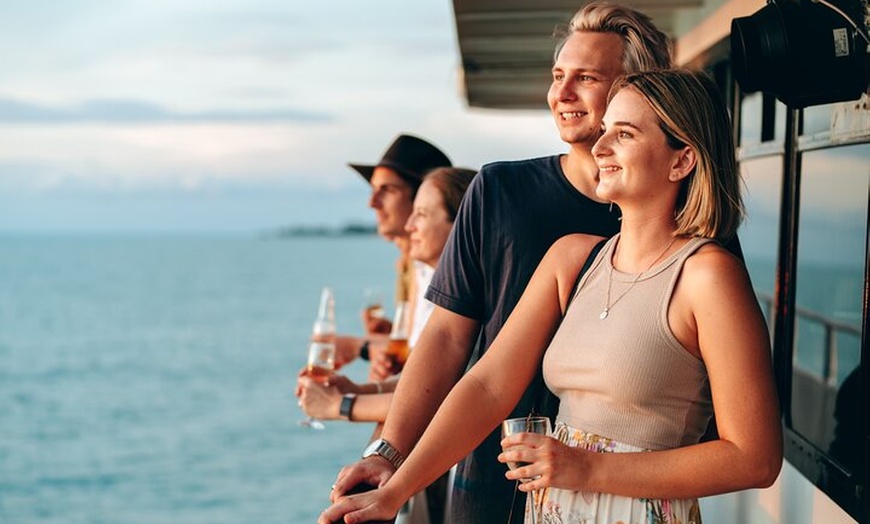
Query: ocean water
149, 379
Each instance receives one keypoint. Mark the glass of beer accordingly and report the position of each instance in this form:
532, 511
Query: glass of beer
397, 351
397, 348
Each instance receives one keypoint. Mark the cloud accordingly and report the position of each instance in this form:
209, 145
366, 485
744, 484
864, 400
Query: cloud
204, 102
134, 111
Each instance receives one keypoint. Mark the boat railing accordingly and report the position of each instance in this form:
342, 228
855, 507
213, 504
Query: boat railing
832, 328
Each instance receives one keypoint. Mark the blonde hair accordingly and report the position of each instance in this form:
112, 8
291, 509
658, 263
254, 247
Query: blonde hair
452, 183
645, 47
692, 113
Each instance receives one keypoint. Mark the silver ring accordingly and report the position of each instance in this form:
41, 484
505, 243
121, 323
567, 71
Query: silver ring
332, 487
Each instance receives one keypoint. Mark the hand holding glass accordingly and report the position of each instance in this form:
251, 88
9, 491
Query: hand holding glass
511, 426
530, 424
321, 363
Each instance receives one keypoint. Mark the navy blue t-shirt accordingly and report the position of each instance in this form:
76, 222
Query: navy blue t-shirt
510, 216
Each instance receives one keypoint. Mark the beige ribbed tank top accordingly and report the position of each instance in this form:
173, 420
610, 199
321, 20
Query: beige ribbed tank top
626, 377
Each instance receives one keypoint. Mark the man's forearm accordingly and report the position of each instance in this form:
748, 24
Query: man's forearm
435, 365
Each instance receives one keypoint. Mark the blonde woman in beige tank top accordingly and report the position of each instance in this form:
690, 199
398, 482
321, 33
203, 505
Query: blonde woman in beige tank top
664, 331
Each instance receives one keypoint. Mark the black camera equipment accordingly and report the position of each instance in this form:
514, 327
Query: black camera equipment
803, 52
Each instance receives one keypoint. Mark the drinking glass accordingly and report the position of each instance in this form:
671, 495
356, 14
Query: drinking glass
374, 300
374, 316
321, 364
397, 349
528, 424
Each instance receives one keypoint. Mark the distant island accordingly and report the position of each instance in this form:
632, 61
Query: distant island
328, 231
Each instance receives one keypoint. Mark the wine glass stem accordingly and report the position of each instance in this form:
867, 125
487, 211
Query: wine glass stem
311, 422
537, 505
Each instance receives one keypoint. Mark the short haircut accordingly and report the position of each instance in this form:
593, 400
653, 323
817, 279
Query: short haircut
645, 47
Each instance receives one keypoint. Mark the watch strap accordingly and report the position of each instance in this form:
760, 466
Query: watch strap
385, 450
346, 406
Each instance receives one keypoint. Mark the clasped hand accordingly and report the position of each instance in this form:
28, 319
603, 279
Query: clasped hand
548, 462
375, 505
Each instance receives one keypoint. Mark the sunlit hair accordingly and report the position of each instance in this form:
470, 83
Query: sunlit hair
451, 183
645, 48
691, 112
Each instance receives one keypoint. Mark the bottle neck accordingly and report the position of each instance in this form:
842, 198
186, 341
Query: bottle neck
325, 323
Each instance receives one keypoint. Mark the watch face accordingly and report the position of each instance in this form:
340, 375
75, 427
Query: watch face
372, 448
382, 448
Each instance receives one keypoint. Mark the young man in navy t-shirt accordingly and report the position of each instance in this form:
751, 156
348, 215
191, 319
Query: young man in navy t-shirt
510, 216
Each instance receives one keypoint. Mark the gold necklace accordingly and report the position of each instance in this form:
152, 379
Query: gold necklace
607, 304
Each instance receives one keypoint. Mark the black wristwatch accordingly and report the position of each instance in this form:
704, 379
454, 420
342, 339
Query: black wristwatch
346, 406
382, 448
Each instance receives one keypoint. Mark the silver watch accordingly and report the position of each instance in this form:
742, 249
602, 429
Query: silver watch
382, 448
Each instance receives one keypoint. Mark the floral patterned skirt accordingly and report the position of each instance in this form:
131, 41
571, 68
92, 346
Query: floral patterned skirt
559, 506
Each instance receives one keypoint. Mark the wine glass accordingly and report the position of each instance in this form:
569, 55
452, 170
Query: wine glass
529, 424
374, 316
321, 364
374, 303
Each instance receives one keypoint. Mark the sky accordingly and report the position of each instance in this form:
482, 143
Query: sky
227, 115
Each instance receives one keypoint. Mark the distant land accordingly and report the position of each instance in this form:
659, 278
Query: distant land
327, 231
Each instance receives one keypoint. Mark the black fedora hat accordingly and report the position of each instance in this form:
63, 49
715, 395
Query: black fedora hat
411, 157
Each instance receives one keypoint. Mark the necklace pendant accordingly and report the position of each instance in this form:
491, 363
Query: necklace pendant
603, 314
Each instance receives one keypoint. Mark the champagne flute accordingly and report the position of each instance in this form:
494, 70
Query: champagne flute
529, 424
321, 364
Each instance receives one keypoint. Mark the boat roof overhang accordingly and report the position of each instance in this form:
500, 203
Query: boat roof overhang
506, 46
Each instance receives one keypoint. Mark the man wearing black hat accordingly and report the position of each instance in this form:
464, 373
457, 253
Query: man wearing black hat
394, 181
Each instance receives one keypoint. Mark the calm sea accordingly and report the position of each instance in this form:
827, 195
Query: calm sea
149, 379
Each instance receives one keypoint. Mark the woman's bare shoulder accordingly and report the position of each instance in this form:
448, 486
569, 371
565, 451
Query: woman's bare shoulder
574, 245
712, 266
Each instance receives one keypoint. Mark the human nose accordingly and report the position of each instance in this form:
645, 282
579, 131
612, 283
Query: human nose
375, 199
565, 90
410, 226
601, 147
